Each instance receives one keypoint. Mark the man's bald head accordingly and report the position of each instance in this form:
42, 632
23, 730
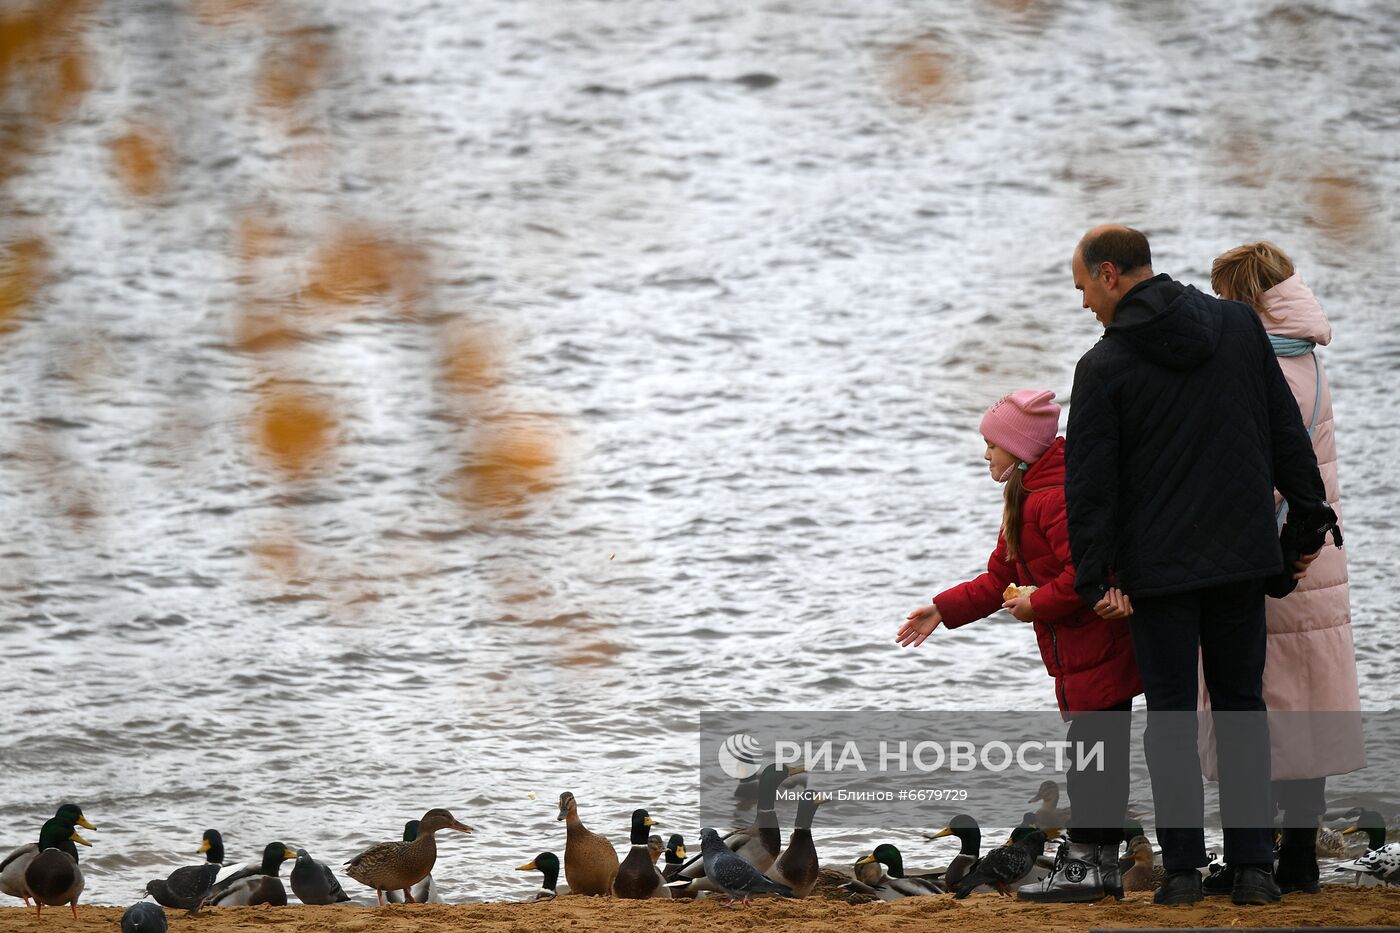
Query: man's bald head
1125, 247
1109, 260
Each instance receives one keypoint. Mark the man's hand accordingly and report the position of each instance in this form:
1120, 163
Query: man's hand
918, 626
1114, 605
1302, 564
1020, 607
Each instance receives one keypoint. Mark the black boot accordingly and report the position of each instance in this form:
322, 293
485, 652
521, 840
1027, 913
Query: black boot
1074, 879
1254, 884
1109, 872
1297, 862
1179, 887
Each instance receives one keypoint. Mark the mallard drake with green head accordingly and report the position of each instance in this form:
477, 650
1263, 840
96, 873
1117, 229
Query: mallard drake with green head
425, 891
390, 866
53, 876
675, 856
1382, 860
243, 887
186, 888
637, 877
590, 861
797, 866
547, 864
12, 868
883, 871
965, 829
254, 884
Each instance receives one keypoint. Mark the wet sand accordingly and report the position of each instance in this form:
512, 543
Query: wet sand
988, 913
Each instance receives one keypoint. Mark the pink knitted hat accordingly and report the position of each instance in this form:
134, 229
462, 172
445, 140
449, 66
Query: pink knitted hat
1023, 423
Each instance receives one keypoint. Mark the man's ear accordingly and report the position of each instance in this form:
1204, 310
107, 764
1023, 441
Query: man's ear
1108, 274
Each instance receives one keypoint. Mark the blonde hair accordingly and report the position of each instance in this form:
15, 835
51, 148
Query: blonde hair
1016, 493
1246, 272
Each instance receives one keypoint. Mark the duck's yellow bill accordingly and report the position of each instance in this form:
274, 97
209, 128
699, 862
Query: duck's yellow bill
82, 821
204, 846
648, 822
945, 831
528, 866
865, 860
288, 854
79, 839
680, 851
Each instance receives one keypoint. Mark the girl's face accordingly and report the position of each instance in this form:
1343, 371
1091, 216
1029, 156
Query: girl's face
998, 460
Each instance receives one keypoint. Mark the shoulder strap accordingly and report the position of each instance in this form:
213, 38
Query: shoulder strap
1282, 514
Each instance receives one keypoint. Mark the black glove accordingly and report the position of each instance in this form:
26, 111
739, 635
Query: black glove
1302, 535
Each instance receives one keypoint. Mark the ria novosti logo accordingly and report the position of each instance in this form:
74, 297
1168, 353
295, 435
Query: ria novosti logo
740, 756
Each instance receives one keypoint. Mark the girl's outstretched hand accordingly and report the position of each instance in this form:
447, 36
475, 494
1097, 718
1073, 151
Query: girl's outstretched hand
918, 626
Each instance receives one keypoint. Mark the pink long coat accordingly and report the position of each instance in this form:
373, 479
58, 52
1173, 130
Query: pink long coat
1310, 662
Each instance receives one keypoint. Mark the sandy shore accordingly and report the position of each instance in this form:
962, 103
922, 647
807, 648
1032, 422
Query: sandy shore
989, 913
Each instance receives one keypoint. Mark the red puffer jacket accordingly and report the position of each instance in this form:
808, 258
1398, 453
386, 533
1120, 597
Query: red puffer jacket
1091, 658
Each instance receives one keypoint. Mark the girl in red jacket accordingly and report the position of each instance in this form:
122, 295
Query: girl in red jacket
1090, 658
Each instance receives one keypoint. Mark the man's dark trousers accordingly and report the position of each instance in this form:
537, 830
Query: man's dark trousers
1225, 625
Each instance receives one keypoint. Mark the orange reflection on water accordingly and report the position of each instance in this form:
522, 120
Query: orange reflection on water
22, 270
1340, 207
360, 265
471, 360
509, 463
921, 72
279, 556
140, 160
225, 12
292, 69
294, 429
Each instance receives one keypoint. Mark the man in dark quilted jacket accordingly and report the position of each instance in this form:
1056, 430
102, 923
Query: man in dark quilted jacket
1180, 427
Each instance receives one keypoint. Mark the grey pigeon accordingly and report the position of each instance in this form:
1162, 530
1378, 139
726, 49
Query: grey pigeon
314, 883
186, 887
732, 874
143, 917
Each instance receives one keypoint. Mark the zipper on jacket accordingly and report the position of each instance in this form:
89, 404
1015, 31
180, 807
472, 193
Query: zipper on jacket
1054, 646
1060, 679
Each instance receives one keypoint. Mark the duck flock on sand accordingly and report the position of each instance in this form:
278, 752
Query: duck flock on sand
747, 862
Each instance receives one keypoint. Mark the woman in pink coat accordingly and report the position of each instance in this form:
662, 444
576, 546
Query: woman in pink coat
1310, 662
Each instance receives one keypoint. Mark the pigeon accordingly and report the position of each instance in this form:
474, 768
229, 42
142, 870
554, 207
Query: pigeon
186, 887
143, 917
733, 875
314, 883
1006, 865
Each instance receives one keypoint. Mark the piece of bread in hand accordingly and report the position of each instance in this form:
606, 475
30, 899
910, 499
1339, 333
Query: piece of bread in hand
1016, 592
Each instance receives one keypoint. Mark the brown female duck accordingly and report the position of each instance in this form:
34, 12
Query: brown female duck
590, 861
397, 866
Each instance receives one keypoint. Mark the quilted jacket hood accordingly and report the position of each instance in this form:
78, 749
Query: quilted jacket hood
1168, 323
